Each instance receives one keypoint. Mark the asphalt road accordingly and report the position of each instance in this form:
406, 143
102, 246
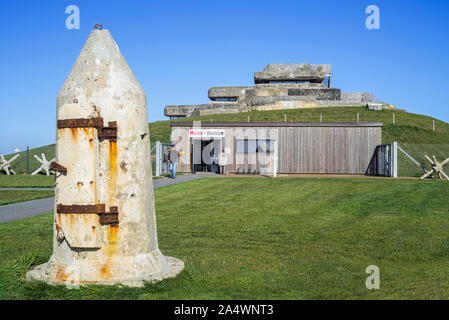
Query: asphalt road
23, 210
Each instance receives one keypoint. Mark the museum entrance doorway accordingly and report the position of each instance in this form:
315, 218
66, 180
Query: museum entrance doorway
205, 154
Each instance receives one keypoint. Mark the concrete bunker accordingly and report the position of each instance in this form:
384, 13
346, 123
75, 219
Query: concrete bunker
277, 86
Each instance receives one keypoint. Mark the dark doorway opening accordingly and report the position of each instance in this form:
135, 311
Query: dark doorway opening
205, 155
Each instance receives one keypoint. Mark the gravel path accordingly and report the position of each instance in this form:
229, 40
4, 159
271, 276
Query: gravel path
23, 210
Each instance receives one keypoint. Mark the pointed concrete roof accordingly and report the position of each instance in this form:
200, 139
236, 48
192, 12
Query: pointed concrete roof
100, 69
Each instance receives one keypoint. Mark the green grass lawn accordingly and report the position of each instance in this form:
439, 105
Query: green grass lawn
263, 238
26, 181
14, 196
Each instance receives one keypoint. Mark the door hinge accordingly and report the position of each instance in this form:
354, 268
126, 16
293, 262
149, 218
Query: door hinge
109, 132
106, 218
57, 167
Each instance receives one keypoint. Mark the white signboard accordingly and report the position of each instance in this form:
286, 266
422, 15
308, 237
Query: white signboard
206, 133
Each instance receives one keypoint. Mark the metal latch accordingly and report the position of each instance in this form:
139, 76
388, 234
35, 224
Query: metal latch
106, 218
110, 217
109, 132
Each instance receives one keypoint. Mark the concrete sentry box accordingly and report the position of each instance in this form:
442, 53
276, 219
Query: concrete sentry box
104, 219
281, 147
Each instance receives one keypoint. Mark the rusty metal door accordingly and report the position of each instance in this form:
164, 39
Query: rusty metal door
77, 151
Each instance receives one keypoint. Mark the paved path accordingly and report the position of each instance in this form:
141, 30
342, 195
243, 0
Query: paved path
25, 209
31, 208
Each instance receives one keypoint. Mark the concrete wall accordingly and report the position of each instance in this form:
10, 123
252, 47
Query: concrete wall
298, 102
201, 109
225, 92
293, 72
318, 94
358, 97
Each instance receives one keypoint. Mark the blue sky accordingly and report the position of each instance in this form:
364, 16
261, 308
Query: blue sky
178, 49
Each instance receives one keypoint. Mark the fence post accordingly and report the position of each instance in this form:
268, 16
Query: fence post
394, 159
28, 160
388, 162
433, 125
394, 119
158, 158
275, 160
358, 117
285, 118
321, 117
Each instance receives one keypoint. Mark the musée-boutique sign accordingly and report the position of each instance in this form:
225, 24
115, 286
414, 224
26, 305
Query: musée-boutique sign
206, 133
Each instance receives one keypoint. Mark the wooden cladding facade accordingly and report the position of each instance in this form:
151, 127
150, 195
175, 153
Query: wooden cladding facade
336, 150
314, 148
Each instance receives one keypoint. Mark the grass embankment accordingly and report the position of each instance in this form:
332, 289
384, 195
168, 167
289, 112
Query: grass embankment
408, 128
261, 238
26, 181
14, 196
413, 132
20, 164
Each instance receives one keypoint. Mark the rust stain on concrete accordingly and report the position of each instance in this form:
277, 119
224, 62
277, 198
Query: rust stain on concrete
71, 219
113, 229
60, 274
112, 171
93, 183
110, 250
74, 132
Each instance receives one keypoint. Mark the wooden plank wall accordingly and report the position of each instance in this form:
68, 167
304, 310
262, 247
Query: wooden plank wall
320, 150
336, 150
250, 163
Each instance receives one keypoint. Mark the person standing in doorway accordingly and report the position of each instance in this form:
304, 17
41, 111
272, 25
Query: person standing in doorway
222, 162
173, 160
